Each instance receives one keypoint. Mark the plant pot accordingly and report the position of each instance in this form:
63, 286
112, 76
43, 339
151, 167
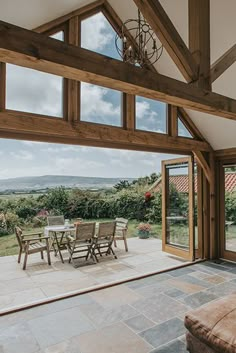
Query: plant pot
143, 234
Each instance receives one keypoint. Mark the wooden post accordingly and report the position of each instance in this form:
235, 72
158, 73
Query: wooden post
129, 112
199, 39
2, 86
206, 217
199, 45
200, 252
213, 242
172, 121
74, 86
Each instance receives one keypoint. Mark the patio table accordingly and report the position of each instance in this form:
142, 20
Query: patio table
54, 231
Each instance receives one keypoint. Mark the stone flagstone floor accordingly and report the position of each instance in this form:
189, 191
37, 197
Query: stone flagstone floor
40, 281
142, 316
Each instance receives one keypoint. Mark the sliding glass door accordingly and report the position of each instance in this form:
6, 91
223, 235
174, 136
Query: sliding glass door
228, 211
178, 207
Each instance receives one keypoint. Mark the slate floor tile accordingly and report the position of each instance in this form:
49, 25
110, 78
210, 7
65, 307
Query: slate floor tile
215, 279
102, 317
184, 286
18, 338
115, 296
157, 288
174, 293
181, 271
139, 323
195, 281
160, 308
223, 289
216, 266
164, 332
198, 299
68, 346
175, 346
148, 281
54, 328
117, 338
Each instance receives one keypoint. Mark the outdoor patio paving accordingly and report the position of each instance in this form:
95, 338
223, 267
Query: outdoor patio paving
142, 316
40, 281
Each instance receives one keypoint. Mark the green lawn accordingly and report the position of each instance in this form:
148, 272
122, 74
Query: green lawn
179, 235
9, 246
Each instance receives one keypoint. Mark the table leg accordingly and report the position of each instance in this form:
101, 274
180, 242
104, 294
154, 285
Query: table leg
58, 247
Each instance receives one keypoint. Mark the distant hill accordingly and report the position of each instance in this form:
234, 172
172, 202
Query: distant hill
51, 181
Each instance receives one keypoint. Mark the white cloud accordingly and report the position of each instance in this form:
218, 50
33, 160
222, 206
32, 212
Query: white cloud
82, 166
95, 107
23, 154
149, 117
95, 33
33, 91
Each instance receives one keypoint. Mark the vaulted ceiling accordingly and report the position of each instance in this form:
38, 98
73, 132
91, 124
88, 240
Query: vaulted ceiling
220, 132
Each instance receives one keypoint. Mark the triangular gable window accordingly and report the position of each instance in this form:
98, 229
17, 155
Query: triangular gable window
98, 35
182, 130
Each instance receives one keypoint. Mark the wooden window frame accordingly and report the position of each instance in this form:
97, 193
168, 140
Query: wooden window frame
223, 253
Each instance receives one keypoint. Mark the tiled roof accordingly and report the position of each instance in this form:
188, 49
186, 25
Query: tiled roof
181, 183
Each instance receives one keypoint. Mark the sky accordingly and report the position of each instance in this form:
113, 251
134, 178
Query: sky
37, 92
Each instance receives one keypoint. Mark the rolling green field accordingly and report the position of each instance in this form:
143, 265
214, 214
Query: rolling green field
17, 196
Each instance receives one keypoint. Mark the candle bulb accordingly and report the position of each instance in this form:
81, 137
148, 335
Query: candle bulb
145, 51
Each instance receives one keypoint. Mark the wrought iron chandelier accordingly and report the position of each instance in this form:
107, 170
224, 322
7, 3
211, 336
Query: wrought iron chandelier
137, 43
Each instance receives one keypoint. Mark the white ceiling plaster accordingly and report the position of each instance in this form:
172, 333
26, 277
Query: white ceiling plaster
221, 133
33, 13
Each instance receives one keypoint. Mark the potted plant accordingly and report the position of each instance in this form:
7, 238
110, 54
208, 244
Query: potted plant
144, 230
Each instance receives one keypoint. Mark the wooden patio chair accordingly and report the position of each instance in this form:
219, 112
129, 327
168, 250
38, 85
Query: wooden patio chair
31, 243
82, 242
121, 231
56, 220
60, 242
104, 239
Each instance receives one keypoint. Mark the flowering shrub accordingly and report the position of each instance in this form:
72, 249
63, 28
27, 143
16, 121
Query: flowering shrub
146, 227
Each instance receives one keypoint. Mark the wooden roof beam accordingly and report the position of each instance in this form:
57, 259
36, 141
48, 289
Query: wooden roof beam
223, 63
37, 127
169, 36
27, 48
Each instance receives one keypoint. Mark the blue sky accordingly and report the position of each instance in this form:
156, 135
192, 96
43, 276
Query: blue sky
38, 92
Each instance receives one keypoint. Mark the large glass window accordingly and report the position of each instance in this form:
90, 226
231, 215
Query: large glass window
150, 115
98, 35
100, 105
34, 91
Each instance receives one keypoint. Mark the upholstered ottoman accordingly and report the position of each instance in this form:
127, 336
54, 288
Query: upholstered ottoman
212, 328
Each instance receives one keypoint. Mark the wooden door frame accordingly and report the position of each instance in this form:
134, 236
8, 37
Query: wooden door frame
224, 254
188, 255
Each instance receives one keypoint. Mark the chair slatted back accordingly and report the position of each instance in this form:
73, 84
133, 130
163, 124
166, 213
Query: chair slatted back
85, 231
55, 220
107, 230
121, 223
19, 236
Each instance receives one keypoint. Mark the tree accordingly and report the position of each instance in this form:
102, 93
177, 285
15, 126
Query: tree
57, 200
123, 184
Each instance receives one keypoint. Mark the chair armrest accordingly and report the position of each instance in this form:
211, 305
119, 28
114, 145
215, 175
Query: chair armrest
36, 239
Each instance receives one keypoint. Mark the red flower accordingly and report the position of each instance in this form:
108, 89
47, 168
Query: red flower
148, 195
